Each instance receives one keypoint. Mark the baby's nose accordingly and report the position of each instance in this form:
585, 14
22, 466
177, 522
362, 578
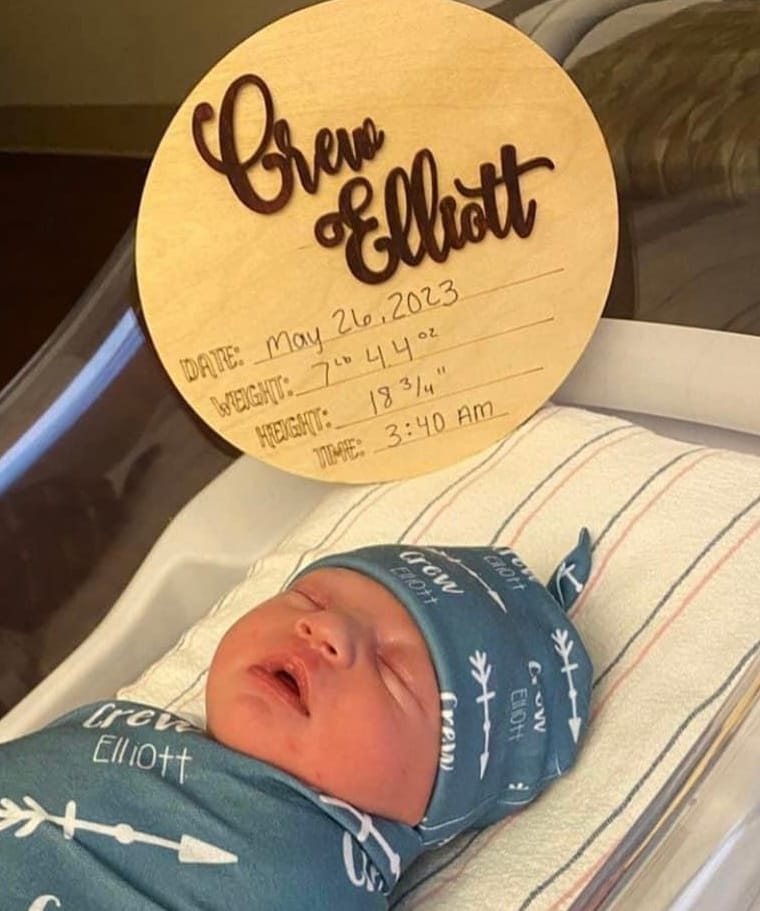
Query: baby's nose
332, 634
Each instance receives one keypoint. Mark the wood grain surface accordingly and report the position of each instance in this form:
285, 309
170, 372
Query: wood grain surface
376, 237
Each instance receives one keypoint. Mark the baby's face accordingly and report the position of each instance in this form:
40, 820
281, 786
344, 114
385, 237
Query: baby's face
332, 682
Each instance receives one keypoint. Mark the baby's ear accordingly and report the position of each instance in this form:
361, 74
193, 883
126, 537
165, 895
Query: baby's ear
569, 578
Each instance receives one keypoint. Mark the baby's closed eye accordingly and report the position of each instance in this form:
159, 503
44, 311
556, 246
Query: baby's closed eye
396, 677
307, 600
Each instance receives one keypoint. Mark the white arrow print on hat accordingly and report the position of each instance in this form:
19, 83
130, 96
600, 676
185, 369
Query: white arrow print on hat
189, 850
563, 646
492, 593
482, 673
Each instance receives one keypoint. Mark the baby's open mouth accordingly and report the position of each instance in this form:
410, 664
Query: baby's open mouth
289, 683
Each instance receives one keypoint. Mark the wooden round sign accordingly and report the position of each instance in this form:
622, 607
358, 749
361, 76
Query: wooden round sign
376, 237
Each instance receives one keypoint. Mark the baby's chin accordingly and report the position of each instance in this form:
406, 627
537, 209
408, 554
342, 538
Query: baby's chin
385, 802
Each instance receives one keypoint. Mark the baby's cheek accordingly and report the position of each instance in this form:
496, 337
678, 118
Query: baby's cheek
385, 745
220, 664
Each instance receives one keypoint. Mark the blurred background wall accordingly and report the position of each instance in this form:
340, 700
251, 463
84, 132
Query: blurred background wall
103, 77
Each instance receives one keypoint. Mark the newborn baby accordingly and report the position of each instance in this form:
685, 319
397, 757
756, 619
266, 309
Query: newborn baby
389, 699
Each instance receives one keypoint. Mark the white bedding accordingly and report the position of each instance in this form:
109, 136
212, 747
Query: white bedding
671, 618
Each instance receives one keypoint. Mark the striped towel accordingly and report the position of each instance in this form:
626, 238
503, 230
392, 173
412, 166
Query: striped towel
671, 618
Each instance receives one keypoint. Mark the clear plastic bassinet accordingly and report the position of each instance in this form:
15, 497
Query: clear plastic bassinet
115, 501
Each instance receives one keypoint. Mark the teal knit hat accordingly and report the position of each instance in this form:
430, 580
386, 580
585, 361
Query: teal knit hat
514, 676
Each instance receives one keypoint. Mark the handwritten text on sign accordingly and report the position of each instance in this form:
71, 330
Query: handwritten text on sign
419, 221
402, 378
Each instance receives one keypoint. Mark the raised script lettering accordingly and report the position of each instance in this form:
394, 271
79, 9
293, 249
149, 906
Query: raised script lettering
420, 222
331, 150
414, 208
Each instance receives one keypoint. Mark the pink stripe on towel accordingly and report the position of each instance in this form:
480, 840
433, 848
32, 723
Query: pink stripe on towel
661, 631
596, 576
521, 528
476, 477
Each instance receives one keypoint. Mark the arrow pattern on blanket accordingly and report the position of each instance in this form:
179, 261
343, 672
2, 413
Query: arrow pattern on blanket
563, 646
189, 850
367, 829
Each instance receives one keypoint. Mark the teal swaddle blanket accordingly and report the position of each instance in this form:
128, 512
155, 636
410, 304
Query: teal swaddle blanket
124, 806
